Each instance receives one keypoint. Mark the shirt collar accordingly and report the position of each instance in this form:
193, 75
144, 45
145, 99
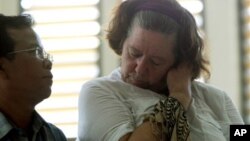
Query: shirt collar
6, 125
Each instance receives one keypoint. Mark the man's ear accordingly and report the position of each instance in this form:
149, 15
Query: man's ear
3, 72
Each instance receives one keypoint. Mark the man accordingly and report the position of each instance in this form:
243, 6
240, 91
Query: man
25, 80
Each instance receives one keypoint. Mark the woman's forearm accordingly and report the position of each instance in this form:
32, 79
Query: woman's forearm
144, 132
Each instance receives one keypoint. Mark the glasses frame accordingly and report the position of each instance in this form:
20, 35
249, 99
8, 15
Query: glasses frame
43, 55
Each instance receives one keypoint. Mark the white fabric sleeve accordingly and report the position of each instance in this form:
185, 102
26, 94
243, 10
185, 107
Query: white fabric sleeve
210, 116
102, 115
232, 113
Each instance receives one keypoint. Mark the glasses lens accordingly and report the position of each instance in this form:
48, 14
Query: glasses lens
40, 53
50, 57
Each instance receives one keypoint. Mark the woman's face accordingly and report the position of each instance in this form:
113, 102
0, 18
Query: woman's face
146, 58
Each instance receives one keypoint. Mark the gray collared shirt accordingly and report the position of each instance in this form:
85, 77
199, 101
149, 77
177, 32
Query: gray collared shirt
40, 131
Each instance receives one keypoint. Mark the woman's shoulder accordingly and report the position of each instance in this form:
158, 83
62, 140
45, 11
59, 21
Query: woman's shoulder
206, 87
114, 78
100, 83
207, 91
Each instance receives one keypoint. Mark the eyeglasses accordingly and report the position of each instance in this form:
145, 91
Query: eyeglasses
39, 52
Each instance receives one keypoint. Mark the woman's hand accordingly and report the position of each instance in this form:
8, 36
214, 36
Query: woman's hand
179, 84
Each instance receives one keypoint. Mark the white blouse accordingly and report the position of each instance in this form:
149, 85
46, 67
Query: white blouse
110, 108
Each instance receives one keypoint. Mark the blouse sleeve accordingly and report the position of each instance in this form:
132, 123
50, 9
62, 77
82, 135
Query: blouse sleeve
233, 114
210, 115
102, 116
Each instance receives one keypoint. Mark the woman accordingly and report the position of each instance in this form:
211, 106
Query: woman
153, 95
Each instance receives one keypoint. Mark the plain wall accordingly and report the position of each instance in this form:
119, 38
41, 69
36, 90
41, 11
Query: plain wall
222, 30
109, 60
9, 7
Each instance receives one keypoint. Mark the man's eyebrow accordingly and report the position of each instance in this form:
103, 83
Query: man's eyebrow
36, 45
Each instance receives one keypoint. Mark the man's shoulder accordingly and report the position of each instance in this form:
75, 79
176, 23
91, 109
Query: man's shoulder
58, 134
49, 127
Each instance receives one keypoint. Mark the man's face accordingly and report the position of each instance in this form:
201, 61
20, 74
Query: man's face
146, 58
27, 75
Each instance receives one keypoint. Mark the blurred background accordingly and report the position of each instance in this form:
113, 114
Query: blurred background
73, 31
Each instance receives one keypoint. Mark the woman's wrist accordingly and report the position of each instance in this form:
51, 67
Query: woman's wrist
183, 98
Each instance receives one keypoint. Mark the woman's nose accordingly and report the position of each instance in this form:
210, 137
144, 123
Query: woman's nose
141, 66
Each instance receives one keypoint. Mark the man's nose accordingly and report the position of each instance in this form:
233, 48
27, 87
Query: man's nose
47, 64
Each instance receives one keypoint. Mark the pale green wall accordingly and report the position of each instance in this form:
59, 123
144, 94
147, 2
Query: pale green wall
9, 7
222, 29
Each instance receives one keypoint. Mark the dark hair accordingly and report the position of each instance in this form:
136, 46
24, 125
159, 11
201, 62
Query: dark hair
11, 22
164, 16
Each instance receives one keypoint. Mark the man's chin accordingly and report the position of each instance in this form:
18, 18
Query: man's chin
46, 93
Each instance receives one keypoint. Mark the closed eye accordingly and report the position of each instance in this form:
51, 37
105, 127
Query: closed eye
156, 61
134, 53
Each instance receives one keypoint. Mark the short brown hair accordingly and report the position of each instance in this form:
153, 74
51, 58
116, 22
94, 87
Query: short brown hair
15, 22
189, 45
